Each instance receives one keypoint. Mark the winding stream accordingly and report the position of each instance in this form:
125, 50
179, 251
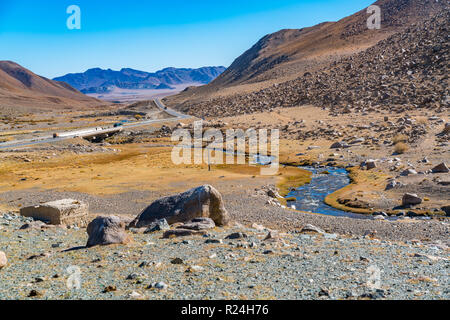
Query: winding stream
310, 197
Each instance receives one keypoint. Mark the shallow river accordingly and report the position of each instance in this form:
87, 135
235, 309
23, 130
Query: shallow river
310, 197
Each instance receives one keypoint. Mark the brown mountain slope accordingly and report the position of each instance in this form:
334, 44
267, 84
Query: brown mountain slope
406, 71
287, 54
22, 89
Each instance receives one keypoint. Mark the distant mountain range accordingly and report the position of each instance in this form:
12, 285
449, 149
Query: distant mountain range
103, 81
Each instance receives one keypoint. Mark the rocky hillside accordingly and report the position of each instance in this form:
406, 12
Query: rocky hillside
101, 81
407, 70
283, 49
287, 54
20, 87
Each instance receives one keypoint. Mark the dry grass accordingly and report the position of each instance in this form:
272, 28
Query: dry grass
137, 167
400, 148
361, 182
293, 178
400, 138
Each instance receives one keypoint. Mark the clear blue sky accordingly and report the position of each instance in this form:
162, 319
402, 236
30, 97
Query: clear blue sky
149, 35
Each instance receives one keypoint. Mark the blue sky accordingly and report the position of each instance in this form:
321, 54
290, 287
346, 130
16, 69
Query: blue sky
149, 35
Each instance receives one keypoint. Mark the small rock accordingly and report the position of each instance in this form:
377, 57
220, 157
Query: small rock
324, 293
446, 209
411, 199
380, 213
312, 229
183, 233
199, 224
136, 296
371, 164
159, 225
193, 269
273, 236
214, 241
3, 260
408, 172
441, 168
158, 285
34, 293
177, 261
110, 289
236, 235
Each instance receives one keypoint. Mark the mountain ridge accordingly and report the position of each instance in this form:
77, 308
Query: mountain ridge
97, 80
20, 87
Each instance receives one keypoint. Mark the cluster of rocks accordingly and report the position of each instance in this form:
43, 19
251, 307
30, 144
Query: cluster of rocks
138, 136
406, 71
189, 213
271, 195
164, 132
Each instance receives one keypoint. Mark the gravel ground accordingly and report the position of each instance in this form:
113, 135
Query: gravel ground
246, 208
299, 266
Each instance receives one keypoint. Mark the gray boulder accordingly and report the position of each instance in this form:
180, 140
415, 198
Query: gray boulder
107, 230
410, 199
201, 202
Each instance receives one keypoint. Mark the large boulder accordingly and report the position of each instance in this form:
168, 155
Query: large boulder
410, 199
3, 260
107, 230
67, 211
201, 202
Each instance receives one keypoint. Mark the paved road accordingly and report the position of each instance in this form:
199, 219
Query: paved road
91, 131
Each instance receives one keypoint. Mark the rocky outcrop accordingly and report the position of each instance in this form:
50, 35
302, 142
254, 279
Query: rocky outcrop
67, 211
106, 231
201, 202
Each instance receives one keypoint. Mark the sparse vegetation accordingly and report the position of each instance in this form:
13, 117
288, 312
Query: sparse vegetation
401, 148
400, 138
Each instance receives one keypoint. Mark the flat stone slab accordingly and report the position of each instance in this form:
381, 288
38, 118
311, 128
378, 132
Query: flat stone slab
66, 211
